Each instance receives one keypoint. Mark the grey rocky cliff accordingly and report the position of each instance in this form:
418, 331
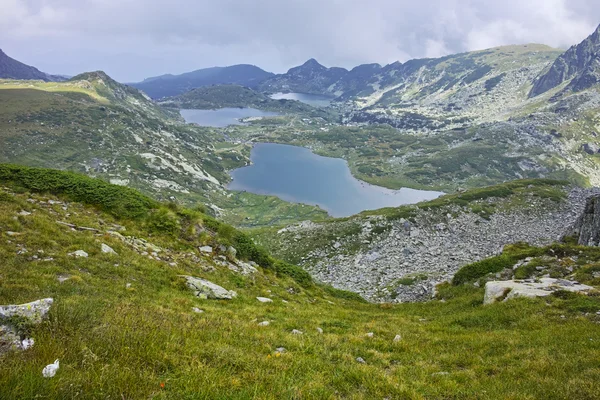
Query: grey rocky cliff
587, 227
580, 63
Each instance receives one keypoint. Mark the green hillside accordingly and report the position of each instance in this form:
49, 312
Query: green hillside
123, 325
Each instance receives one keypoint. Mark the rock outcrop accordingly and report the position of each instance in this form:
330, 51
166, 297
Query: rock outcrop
587, 227
506, 290
581, 63
13, 316
207, 290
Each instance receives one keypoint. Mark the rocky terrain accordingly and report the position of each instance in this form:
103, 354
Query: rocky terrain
403, 258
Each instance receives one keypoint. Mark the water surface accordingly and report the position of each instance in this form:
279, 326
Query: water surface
298, 175
223, 116
314, 100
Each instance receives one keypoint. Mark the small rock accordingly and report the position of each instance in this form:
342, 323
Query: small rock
50, 370
206, 249
297, 332
79, 253
207, 290
197, 310
361, 360
24, 213
320, 330
370, 334
107, 249
280, 350
397, 338
62, 278
27, 343
264, 299
440, 373
127, 285
264, 323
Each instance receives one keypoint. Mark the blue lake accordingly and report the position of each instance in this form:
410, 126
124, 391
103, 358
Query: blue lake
223, 116
314, 100
298, 175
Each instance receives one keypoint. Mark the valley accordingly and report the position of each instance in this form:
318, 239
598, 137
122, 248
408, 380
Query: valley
422, 229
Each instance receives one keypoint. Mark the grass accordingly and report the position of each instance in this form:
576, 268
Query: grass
144, 341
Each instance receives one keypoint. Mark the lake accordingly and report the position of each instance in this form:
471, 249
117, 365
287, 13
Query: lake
298, 175
314, 100
223, 116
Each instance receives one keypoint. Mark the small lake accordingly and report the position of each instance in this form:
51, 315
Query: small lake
298, 175
223, 116
314, 100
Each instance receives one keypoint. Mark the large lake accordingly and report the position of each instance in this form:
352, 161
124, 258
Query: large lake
314, 100
298, 175
223, 116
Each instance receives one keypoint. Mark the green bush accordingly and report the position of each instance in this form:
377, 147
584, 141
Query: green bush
122, 202
298, 274
343, 294
164, 221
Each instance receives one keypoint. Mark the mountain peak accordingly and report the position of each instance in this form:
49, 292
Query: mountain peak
93, 75
578, 64
312, 63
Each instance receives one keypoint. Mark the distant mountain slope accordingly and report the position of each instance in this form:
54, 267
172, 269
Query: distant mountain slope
310, 77
236, 96
13, 69
172, 85
581, 63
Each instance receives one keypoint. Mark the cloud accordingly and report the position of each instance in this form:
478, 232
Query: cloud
132, 39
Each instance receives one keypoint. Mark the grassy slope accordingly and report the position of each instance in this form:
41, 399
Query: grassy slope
119, 342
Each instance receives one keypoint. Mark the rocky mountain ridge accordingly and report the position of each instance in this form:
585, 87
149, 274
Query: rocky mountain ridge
580, 65
13, 69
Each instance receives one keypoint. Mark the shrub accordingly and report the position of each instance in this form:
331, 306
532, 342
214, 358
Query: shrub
343, 294
164, 221
298, 274
122, 202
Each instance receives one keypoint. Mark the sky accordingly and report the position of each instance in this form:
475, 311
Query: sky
134, 39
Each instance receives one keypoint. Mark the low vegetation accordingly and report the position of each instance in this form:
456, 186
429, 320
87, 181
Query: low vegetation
122, 325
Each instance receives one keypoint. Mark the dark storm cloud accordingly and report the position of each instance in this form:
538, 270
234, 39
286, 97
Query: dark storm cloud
132, 39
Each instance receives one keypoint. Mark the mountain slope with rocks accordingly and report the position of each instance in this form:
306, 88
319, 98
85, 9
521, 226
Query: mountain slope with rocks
401, 254
107, 293
172, 85
580, 65
13, 69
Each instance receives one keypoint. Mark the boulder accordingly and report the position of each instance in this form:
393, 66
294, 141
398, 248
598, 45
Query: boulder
208, 290
107, 249
505, 290
34, 312
264, 299
206, 249
79, 253
587, 227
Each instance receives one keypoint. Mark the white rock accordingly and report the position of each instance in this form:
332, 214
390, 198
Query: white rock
107, 249
79, 253
264, 299
397, 338
197, 310
264, 323
50, 370
370, 334
206, 249
297, 332
208, 290
360, 360
320, 330
27, 343
24, 213
35, 311
495, 290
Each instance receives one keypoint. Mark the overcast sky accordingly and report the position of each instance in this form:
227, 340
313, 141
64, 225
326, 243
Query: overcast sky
134, 39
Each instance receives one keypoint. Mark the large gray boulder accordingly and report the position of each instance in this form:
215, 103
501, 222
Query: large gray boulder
506, 290
34, 312
207, 290
587, 227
